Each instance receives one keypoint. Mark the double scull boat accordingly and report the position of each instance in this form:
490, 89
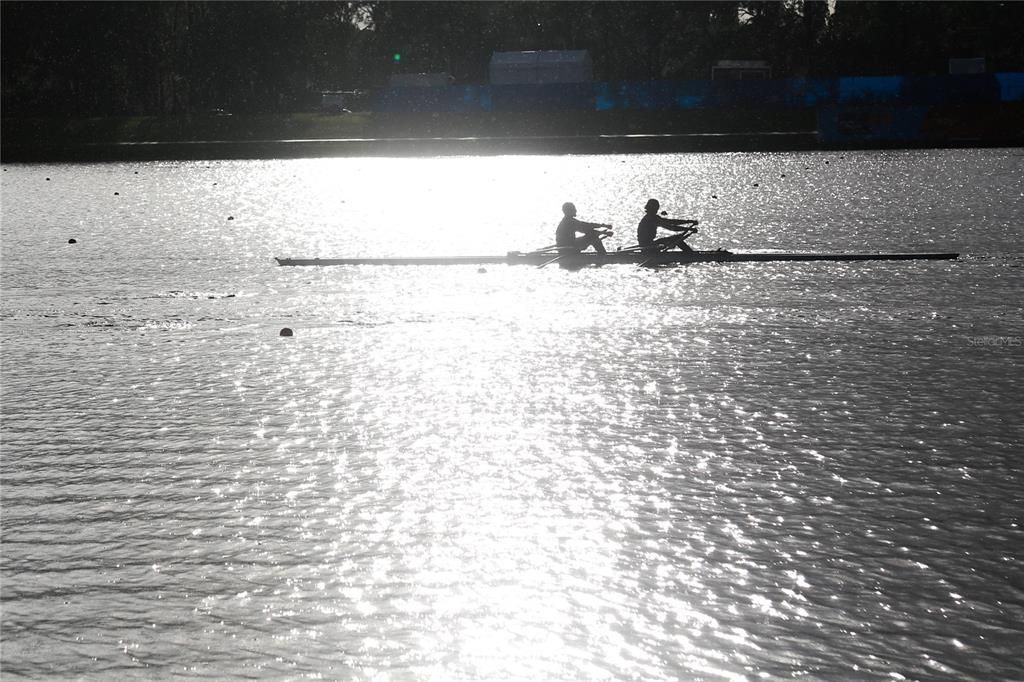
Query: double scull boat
628, 256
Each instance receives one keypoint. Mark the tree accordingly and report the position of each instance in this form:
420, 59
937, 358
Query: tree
83, 58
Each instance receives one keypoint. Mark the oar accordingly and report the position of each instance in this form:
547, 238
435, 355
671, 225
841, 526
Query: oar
549, 249
650, 260
671, 243
604, 234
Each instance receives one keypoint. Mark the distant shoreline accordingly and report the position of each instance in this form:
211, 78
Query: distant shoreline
441, 146
412, 146
312, 135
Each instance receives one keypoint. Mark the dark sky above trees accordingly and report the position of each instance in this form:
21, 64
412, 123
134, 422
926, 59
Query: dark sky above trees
131, 58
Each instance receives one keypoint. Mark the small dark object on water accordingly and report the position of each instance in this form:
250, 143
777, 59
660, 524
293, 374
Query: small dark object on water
481, 271
756, 185
714, 196
231, 217
286, 332
72, 241
117, 194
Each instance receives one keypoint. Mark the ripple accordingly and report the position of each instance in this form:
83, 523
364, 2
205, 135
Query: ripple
769, 470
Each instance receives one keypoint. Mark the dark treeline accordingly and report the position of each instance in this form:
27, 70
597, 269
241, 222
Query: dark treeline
135, 58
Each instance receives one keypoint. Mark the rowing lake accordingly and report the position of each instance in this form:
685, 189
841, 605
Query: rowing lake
707, 472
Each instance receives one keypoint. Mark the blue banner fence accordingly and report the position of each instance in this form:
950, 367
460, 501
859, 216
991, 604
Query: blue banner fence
848, 108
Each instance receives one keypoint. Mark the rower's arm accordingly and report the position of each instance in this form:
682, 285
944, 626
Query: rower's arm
679, 224
593, 227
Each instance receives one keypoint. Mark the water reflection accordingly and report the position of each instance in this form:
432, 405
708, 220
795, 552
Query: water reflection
701, 472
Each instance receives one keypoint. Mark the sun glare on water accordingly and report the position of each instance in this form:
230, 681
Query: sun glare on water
504, 472
450, 206
410, 207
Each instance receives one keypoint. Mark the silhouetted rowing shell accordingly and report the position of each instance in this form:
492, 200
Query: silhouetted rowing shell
618, 257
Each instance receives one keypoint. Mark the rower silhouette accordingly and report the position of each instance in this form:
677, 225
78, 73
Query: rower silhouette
647, 230
589, 234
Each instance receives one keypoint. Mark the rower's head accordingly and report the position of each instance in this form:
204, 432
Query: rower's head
569, 209
652, 206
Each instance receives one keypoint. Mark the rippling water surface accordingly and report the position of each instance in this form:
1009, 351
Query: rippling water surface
702, 472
